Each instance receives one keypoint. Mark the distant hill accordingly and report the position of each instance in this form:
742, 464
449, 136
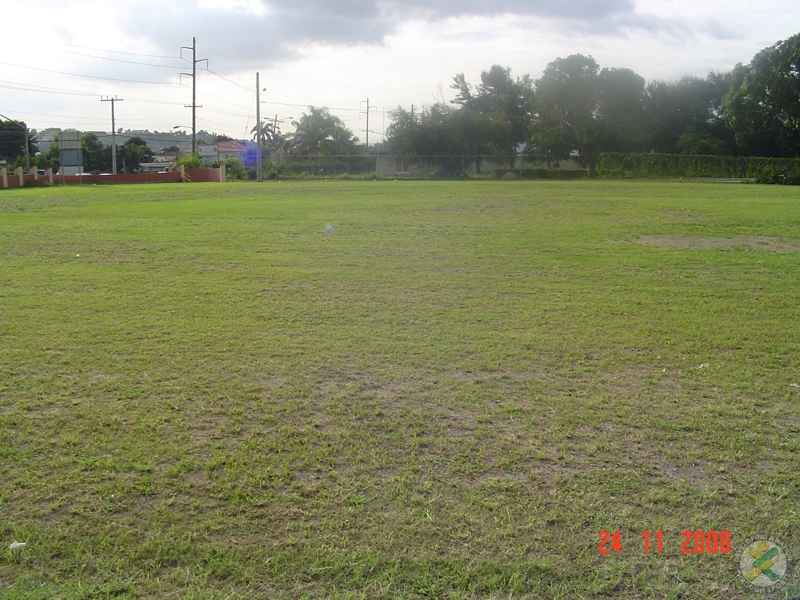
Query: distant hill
156, 140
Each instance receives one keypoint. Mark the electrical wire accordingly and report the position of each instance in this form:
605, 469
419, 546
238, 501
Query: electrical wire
220, 99
48, 90
130, 62
228, 80
119, 52
87, 76
32, 88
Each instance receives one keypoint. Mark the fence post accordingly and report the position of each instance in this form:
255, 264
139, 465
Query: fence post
182, 173
4, 177
20, 174
48, 173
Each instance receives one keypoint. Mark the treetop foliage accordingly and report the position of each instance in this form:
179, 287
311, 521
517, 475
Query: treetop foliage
320, 132
577, 107
763, 100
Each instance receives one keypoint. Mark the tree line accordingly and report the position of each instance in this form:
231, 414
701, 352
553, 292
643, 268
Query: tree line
96, 155
577, 107
316, 132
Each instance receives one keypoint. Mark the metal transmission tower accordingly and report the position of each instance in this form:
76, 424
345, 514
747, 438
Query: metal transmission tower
113, 133
193, 75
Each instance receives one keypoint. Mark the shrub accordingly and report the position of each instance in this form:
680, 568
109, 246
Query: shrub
774, 174
36, 183
623, 165
191, 161
543, 173
235, 169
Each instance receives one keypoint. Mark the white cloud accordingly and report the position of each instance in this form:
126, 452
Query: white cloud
325, 53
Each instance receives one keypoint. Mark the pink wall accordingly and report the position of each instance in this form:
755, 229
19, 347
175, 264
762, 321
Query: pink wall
192, 175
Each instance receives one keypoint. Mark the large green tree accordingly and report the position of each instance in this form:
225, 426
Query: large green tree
496, 113
442, 130
134, 152
51, 158
763, 104
687, 114
425, 132
12, 141
578, 107
320, 132
96, 156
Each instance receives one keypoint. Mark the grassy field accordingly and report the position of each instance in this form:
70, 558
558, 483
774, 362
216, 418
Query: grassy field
207, 392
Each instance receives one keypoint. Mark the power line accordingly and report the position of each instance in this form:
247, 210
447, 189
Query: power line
224, 112
358, 110
43, 89
51, 90
119, 52
221, 99
228, 80
87, 76
130, 62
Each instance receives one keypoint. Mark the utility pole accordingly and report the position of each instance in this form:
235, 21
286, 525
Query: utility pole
367, 130
258, 130
193, 75
27, 149
113, 133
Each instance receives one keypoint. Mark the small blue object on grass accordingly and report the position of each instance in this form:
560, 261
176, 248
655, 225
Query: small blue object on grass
329, 229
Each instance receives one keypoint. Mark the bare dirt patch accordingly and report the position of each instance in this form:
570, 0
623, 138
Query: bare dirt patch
754, 242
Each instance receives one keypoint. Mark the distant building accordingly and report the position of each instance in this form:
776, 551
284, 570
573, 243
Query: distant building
166, 157
232, 149
156, 167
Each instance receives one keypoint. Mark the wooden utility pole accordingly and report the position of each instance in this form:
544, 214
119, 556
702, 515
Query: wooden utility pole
258, 130
113, 133
367, 130
193, 75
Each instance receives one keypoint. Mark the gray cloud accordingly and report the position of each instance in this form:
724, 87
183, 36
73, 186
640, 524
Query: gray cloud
242, 39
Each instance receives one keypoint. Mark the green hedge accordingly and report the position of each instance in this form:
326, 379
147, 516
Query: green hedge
615, 165
543, 173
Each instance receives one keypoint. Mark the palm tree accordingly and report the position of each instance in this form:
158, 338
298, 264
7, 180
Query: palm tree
344, 139
265, 131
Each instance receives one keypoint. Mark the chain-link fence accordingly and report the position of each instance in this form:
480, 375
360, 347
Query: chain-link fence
405, 165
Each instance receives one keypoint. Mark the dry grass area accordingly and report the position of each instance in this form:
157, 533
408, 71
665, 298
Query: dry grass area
753, 242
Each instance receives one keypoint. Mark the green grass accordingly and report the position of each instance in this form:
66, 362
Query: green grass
204, 394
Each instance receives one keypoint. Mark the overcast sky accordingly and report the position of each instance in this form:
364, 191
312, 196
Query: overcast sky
57, 58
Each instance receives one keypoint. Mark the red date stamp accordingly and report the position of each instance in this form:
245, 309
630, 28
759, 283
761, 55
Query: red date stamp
698, 541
